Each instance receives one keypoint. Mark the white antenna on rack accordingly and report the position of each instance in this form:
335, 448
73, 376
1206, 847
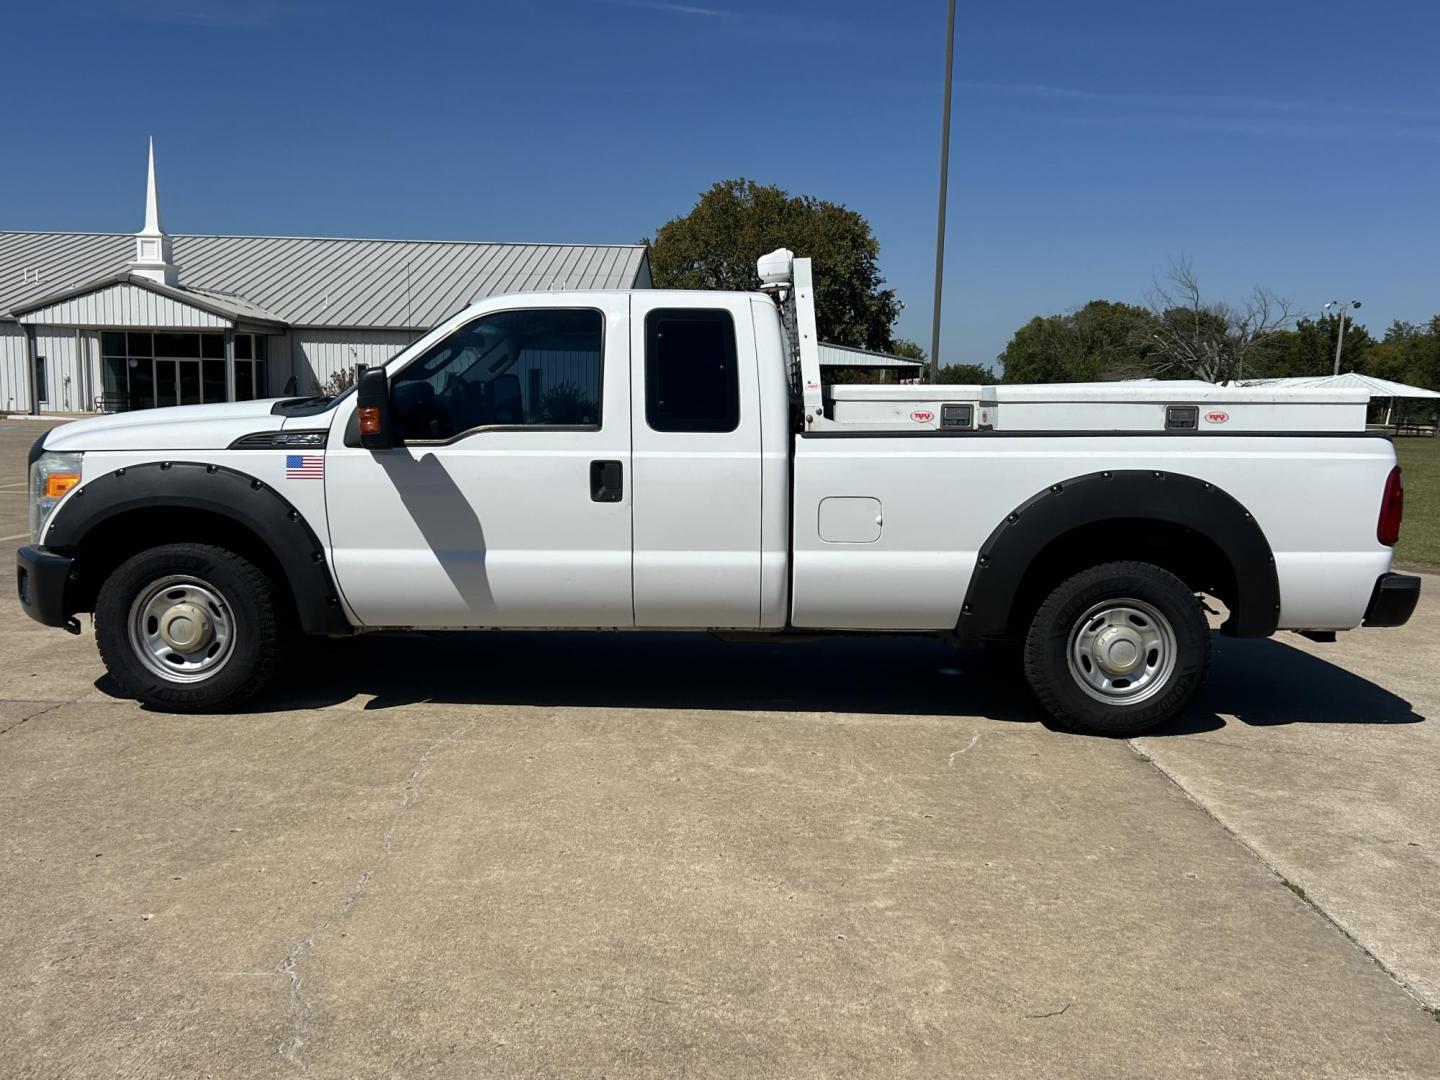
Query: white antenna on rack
791, 282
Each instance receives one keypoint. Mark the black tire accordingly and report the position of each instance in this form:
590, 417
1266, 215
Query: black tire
248, 613
1164, 677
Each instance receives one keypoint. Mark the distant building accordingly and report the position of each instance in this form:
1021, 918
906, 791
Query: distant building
110, 322
114, 321
903, 368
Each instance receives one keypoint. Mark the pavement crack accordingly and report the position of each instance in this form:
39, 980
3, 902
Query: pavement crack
1046, 1016
301, 1009
26, 719
973, 740
1304, 897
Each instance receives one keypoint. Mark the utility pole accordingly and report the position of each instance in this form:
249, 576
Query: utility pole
1340, 338
944, 186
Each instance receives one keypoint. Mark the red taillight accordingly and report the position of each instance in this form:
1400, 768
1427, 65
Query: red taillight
1392, 509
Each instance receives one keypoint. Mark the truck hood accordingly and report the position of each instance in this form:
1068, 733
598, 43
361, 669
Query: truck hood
184, 427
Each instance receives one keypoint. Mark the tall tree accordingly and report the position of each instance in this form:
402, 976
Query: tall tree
1309, 349
1410, 354
716, 244
911, 350
1197, 338
1102, 340
967, 373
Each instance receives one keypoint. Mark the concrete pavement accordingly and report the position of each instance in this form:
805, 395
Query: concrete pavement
1345, 807
646, 855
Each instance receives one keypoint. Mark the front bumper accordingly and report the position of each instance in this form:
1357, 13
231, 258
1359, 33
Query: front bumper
41, 577
1393, 601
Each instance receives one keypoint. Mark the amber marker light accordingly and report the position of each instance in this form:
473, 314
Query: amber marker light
370, 419
57, 484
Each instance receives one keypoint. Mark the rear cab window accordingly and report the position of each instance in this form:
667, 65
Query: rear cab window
692, 381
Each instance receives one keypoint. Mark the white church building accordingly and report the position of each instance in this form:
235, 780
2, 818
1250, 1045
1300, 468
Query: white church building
118, 321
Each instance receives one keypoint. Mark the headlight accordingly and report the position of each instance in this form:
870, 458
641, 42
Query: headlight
51, 478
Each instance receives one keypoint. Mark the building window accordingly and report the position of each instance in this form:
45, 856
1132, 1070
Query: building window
529, 368
179, 346
212, 378
142, 370
692, 382
42, 381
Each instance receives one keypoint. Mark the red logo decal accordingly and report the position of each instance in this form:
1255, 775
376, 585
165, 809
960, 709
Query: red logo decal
1219, 416
922, 416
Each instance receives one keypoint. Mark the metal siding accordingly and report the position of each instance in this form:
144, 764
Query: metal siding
321, 353
643, 279
125, 305
62, 368
12, 369
67, 383
277, 364
288, 278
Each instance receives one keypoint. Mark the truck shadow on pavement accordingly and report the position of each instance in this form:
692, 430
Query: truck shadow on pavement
1266, 682
1259, 683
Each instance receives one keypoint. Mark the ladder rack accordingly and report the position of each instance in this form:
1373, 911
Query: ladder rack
790, 281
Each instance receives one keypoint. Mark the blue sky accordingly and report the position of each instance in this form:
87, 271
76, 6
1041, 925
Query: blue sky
1270, 142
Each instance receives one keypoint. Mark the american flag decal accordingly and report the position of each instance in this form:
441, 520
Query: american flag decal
304, 466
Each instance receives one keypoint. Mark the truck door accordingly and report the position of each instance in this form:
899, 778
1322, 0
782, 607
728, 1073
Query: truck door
508, 501
697, 462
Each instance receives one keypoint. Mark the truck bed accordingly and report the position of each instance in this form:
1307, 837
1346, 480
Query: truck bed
887, 530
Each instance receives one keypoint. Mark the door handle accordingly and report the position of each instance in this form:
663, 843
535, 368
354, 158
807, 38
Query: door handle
607, 481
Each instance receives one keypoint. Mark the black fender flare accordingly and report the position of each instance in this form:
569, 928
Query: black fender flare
1122, 494
218, 490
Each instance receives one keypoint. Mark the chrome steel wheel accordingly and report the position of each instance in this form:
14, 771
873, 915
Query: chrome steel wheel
182, 628
1121, 651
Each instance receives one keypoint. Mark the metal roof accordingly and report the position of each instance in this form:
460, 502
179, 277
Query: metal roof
849, 356
1349, 380
317, 281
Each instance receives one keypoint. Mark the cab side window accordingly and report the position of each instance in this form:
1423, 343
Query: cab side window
531, 368
692, 380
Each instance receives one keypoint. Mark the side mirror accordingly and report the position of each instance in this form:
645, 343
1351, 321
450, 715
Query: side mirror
372, 396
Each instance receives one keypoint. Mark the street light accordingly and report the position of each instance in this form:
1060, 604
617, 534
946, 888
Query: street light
944, 185
1341, 308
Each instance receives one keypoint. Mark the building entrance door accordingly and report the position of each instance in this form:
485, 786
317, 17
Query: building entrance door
166, 391
189, 382
177, 382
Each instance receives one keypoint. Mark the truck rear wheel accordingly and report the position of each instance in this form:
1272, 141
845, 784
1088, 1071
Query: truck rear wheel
188, 627
1117, 649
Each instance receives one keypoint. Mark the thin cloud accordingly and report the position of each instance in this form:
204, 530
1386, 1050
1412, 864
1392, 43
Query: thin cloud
746, 23
206, 14
1221, 104
1264, 127
674, 9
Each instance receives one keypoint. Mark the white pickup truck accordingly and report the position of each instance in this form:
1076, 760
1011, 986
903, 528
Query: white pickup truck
663, 459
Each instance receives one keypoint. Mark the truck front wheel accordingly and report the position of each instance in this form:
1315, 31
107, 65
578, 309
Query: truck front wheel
188, 627
1117, 649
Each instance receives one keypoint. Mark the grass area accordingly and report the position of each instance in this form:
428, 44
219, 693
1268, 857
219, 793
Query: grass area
1420, 532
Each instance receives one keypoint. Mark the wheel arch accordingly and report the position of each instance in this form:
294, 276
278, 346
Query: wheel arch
129, 509
1188, 526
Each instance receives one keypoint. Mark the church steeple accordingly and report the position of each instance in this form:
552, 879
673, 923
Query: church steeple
153, 257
